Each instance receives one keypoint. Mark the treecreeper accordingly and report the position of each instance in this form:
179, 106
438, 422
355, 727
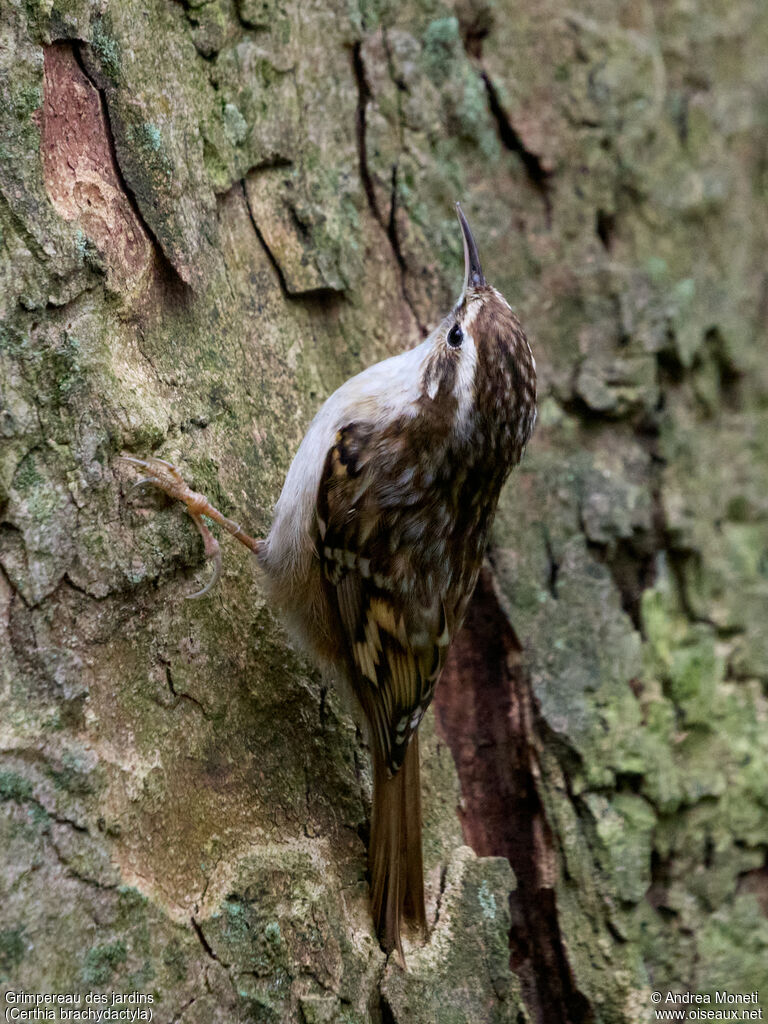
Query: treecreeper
378, 537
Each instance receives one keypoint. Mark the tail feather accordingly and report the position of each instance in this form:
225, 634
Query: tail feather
395, 860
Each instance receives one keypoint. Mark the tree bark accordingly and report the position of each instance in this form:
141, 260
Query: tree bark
211, 214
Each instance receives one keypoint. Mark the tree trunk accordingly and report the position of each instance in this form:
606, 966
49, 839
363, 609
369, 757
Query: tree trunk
211, 214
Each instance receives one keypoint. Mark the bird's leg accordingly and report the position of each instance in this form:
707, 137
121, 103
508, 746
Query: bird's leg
164, 475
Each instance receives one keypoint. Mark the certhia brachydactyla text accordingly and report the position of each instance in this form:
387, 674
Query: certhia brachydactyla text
378, 537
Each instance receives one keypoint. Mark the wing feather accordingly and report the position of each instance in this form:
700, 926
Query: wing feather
397, 641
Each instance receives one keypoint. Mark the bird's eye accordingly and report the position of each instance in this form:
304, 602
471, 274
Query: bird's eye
455, 336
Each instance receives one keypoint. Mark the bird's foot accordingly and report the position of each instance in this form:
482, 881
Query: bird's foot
168, 479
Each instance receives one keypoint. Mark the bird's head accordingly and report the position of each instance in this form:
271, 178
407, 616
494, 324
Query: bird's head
480, 364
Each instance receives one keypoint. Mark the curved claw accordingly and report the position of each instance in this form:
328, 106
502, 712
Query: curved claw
140, 483
212, 552
136, 462
169, 466
146, 463
161, 472
216, 558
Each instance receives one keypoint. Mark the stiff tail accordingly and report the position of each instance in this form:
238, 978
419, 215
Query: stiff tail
394, 856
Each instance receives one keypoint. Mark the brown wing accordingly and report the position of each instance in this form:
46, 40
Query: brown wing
396, 631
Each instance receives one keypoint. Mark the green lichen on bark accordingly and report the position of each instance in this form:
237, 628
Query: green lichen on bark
183, 802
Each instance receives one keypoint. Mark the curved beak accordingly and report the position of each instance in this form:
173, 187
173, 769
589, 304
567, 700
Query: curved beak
473, 272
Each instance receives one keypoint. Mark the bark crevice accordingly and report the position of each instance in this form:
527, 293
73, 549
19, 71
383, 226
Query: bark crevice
537, 174
388, 225
486, 713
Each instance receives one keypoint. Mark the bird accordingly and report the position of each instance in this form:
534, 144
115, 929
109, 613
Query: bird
378, 538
